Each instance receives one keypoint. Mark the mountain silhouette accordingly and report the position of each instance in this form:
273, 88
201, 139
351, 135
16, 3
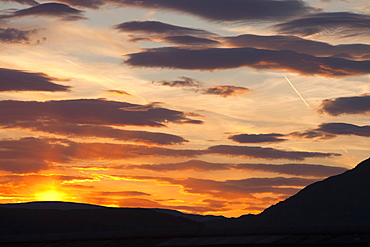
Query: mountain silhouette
40, 220
338, 200
52, 205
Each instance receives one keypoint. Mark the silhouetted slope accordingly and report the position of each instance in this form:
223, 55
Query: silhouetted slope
194, 217
338, 200
35, 221
52, 205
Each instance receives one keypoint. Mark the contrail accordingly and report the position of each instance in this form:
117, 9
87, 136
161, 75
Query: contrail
297, 92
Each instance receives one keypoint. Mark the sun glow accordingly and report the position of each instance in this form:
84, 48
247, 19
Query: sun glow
50, 193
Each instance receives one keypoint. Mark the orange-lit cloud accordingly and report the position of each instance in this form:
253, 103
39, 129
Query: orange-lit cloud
303, 170
35, 154
266, 153
88, 111
232, 189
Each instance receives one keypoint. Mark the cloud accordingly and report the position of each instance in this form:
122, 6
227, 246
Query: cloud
34, 154
20, 80
346, 105
76, 130
264, 153
23, 165
257, 138
331, 130
123, 193
190, 40
192, 165
59, 10
229, 10
207, 205
338, 23
183, 82
88, 111
300, 45
117, 92
94, 4
13, 35
312, 134
156, 27
230, 58
345, 129
232, 189
303, 170
28, 2
308, 170
224, 91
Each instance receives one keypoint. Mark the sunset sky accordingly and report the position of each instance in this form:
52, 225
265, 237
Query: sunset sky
220, 107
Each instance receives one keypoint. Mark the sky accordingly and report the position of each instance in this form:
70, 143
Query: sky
220, 107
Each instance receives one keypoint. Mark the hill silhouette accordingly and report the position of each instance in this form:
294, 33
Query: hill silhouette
21, 221
343, 199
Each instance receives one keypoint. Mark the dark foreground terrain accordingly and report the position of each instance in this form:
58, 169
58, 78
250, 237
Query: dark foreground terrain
332, 212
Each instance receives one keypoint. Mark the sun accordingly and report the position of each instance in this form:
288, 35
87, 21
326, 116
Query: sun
50, 193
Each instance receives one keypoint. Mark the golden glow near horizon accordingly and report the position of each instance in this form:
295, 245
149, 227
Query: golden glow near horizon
50, 193
181, 111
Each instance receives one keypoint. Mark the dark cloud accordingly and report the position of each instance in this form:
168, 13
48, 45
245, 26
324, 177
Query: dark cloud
156, 27
88, 111
229, 10
193, 165
312, 134
22, 165
224, 91
229, 58
300, 45
19, 80
345, 129
13, 35
190, 40
264, 153
118, 92
231, 189
34, 154
182, 82
346, 105
59, 10
331, 130
257, 138
123, 193
338, 23
295, 169
304, 170
76, 130
28, 2
94, 4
